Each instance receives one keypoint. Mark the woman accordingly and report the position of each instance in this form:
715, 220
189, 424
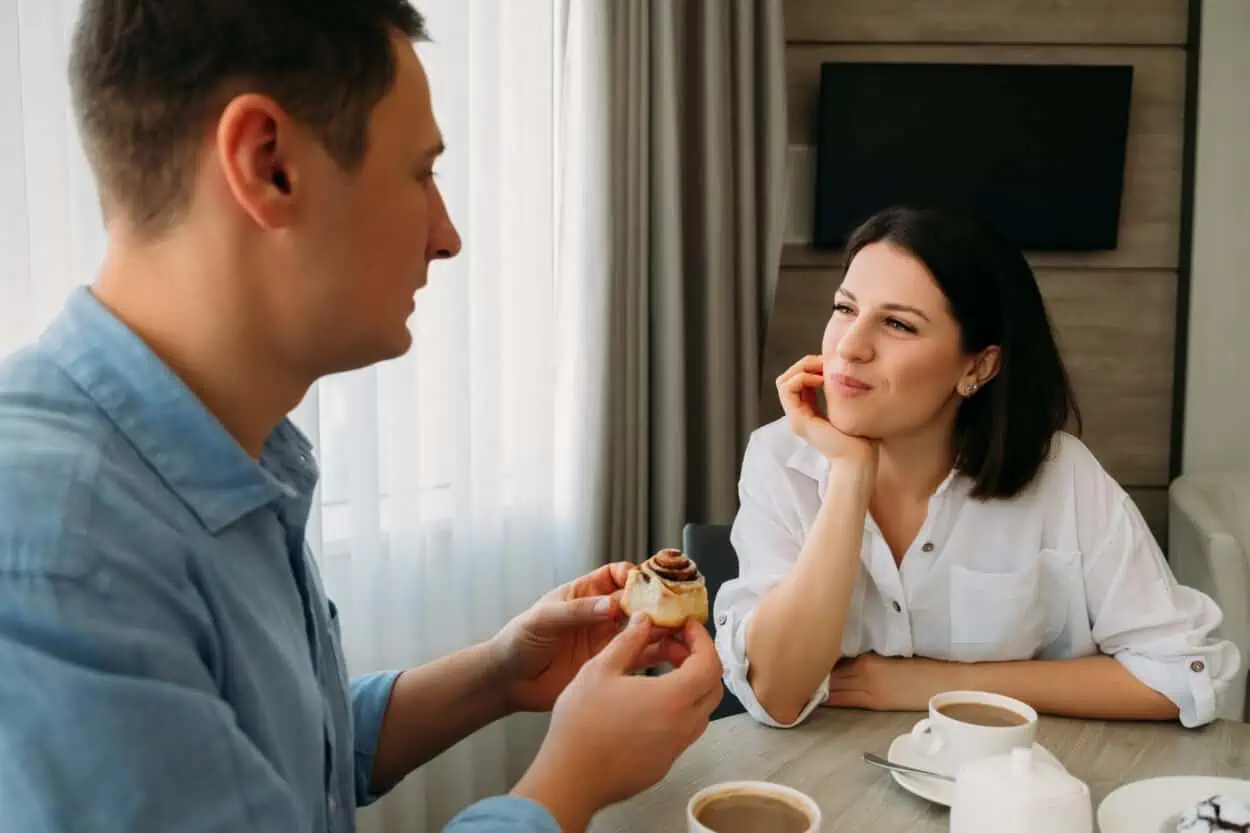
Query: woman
938, 530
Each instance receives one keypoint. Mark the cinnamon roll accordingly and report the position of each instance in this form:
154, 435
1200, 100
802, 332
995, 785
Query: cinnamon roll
669, 588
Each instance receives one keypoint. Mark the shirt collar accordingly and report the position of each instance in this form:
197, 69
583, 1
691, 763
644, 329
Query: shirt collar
808, 461
168, 426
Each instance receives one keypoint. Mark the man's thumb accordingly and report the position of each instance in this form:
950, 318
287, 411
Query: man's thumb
622, 653
577, 613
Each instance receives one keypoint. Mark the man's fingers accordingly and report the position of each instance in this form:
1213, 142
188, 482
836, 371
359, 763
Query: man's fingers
702, 669
578, 613
624, 652
654, 654
708, 702
677, 652
661, 650
602, 582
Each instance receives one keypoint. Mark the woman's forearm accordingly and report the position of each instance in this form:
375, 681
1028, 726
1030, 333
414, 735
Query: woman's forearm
1095, 687
795, 635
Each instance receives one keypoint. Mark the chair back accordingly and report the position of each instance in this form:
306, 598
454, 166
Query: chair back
708, 546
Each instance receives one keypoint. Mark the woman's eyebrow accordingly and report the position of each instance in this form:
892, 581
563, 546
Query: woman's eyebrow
891, 307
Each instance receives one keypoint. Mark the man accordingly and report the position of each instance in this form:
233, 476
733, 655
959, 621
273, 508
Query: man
168, 660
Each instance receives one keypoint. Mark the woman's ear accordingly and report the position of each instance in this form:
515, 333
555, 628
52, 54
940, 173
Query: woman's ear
981, 370
987, 364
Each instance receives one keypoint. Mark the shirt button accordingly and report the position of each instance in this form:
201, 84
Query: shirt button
1197, 666
722, 619
928, 546
898, 608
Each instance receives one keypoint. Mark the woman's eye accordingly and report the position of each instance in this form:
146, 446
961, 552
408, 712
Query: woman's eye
842, 308
900, 325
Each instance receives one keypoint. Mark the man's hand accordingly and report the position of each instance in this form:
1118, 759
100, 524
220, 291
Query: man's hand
543, 648
614, 734
879, 683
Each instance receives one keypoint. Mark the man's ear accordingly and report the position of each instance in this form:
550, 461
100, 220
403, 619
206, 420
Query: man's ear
254, 148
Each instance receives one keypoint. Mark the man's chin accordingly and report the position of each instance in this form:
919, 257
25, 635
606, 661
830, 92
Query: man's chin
399, 345
375, 353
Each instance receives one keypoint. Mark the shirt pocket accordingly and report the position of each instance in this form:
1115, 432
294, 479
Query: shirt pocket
997, 616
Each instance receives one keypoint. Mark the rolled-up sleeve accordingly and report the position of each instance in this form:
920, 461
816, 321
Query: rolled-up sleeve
767, 540
371, 693
109, 719
503, 814
1158, 629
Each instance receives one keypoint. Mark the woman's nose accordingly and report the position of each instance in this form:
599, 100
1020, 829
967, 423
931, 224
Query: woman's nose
855, 345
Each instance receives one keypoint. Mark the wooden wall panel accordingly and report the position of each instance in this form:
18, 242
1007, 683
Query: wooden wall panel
1151, 207
1152, 502
1114, 311
1116, 333
1131, 22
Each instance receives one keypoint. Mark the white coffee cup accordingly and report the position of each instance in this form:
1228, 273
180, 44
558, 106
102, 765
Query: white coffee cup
952, 742
704, 800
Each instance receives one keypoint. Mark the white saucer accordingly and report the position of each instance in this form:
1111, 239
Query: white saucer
931, 789
1155, 805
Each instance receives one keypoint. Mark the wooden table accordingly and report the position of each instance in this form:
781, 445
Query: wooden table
823, 758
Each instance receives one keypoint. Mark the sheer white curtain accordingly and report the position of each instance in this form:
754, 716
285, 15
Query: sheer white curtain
456, 478
50, 234
458, 481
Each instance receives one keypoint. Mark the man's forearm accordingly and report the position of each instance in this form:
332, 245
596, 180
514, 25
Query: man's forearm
1096, 687
433, 707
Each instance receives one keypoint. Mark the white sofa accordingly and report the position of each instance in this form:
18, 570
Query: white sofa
1208, 542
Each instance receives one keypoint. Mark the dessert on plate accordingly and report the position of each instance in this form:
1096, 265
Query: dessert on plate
669, 588
1217, 814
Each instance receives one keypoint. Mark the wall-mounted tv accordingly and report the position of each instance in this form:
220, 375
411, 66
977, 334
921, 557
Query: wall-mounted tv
1037, 151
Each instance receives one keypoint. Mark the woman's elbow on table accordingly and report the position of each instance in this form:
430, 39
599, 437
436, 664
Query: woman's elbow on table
777, 709
1198, 684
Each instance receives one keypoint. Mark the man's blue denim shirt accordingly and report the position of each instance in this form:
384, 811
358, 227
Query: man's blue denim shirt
168, 659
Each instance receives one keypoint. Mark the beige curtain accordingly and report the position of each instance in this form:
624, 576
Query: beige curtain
696, 113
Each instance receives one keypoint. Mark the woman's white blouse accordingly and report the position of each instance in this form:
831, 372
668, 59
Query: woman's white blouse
1066, 569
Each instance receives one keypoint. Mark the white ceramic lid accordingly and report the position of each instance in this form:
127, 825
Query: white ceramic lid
1020, 778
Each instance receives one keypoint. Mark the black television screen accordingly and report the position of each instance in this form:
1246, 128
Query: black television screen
1036, 151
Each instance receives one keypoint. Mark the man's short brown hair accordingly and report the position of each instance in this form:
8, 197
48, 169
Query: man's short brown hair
147, 75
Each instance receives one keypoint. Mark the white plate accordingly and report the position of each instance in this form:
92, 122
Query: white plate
902, 751
1155, 805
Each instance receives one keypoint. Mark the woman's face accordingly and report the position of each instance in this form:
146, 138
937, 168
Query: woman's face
894, 365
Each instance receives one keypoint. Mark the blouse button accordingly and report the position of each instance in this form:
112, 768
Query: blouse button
928, 546
1197, 666
898, 608
722, 619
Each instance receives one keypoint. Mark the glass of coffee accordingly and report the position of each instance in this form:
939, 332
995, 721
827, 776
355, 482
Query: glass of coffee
751, 807
966, 725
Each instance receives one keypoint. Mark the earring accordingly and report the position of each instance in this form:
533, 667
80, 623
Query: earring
970, 389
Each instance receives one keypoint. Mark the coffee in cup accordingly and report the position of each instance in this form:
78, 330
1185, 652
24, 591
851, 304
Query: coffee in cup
751, 807
963, 726
982, 714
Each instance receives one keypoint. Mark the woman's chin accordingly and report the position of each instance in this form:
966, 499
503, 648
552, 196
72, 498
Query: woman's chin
854, 425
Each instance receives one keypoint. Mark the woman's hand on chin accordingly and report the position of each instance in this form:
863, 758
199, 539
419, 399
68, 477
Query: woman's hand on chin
797, 388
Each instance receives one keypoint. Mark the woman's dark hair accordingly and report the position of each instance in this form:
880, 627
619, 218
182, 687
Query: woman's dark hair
1003, 432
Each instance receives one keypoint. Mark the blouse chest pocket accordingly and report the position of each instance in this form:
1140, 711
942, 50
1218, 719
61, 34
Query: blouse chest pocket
999, 616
